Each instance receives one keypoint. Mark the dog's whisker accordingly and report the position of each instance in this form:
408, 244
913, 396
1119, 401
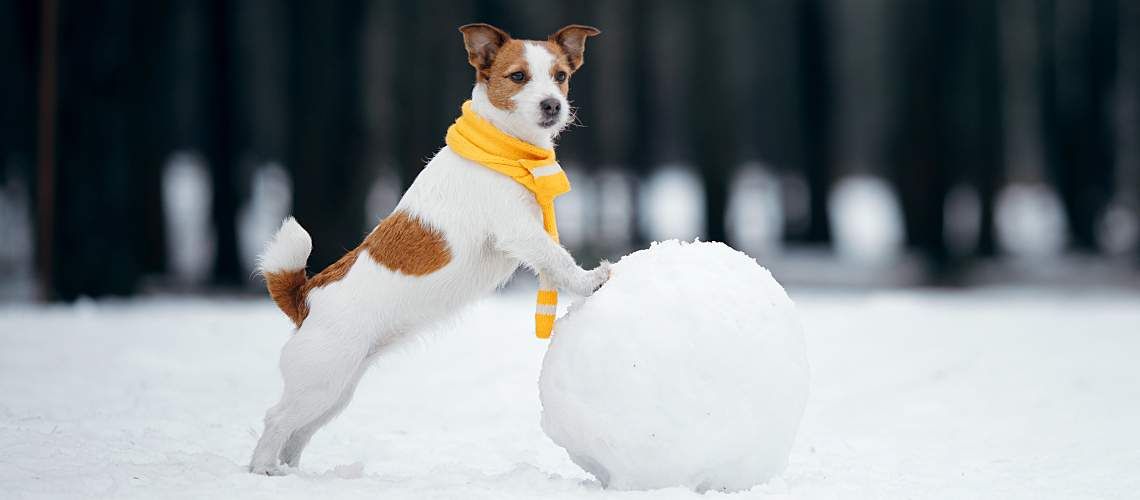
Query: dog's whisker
574, 119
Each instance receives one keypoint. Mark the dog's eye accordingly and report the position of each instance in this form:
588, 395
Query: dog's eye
517, 76
560, 76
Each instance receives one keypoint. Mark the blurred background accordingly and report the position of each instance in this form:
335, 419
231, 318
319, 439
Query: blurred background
154, 146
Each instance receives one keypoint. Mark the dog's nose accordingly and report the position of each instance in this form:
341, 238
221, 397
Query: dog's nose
550, 106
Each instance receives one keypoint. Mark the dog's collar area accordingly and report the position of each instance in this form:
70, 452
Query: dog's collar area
478, 140
484, 142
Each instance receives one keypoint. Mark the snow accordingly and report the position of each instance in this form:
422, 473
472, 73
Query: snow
614, 213
1118, 230
866, 219
1030, 221
187, 193
600, 212
17, 249
574, 211
1005, 393
686, 369
755, 215
16, 233
672, 204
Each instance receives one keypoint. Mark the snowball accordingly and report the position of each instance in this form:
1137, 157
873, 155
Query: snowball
687, 368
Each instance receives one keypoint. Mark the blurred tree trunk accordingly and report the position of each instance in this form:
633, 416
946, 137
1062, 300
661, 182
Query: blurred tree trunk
495, 13
922, 132
582, 145
150, 129
221, 141
815, 107
92, 251
261, 78
641, 155
989, 136
19, 48
1046, 69
1080, 69
609, 90
711, 105
1132, 53
417, 92
30, 56
325, 125
775, 110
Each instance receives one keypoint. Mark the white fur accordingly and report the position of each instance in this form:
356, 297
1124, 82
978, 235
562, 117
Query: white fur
289, 249
491, 224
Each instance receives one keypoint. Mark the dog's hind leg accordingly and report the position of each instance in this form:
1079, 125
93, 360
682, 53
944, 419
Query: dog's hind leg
318, 368
291, 453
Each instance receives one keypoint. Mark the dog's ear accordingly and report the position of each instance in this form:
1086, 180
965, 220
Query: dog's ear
482, 42
572, 40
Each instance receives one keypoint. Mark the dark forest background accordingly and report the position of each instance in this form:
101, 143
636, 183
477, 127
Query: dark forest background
928, 95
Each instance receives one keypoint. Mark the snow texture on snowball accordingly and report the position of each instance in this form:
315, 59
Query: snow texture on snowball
688, 368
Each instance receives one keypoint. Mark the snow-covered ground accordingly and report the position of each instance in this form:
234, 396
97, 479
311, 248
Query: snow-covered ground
1000, 393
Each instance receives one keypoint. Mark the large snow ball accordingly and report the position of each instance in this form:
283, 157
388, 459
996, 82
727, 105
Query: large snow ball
687, 368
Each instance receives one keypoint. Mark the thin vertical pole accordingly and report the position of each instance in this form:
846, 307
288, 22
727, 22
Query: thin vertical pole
45, 144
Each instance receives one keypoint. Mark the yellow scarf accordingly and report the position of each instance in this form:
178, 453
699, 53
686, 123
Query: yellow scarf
478, 140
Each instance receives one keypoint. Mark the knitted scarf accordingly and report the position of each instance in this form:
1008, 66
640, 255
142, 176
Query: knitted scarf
478, 140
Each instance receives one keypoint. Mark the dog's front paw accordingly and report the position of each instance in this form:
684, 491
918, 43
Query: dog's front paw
267, 470
596, 278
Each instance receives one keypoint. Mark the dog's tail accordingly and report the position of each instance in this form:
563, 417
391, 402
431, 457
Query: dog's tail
283, 266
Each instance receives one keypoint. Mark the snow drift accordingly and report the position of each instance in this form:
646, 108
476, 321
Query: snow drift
688, 368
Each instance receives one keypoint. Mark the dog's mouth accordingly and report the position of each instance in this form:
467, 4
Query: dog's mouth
548, 122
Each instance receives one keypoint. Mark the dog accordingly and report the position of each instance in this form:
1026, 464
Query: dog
458, 233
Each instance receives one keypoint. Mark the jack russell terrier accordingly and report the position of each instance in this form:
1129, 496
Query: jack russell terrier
480, 208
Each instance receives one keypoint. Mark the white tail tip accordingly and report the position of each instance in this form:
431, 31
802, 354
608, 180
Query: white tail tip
289, 250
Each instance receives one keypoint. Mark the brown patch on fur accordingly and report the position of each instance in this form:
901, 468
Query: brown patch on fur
482, 42
572, 42
494, 55
288, 290
403, 243
335, 272
510, 58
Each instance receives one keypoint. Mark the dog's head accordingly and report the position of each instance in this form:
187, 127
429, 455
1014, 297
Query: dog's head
525, 82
